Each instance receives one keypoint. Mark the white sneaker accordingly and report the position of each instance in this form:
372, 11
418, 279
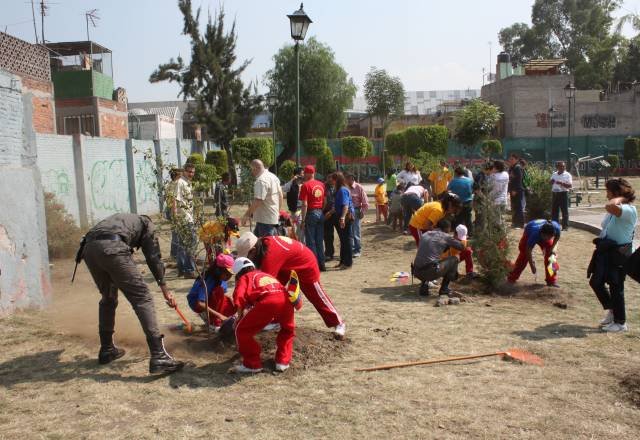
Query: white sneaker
282, 367
339, 331
608, 318
356, 255
432, 284
274, 326
241, 369
614, 327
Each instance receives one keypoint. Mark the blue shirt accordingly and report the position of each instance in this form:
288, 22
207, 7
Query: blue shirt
620, 229
197, 292
532, 230
343, 197
462, 187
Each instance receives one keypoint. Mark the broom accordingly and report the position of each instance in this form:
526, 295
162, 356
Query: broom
513, 354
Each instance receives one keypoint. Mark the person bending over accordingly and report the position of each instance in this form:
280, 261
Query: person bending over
545, 234
215, 278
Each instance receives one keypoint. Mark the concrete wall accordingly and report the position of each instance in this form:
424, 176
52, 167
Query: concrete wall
24, 265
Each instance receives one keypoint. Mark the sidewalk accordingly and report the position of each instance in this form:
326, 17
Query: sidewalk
589, 219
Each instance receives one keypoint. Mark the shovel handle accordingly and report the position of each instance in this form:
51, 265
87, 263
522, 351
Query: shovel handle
433, 361
184, 319
218, 314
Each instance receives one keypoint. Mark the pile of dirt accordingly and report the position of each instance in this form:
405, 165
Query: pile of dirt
522, 290
630, 385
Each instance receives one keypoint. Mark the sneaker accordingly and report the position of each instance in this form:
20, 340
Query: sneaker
339, 331
433, 283
614, 327
424, 289
274, 326
553, 285
472, 275
282, 367
356, 254
241, 369
608, 318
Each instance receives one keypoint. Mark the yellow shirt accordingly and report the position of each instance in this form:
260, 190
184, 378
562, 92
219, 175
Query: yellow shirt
429, 211
440, 180
453, 252
381, 194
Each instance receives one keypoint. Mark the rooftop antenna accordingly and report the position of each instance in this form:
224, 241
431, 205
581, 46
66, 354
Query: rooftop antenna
92, 16
44, 9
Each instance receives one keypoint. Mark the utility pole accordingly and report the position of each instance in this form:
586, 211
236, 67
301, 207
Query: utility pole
43, 12
33, 14
490, 60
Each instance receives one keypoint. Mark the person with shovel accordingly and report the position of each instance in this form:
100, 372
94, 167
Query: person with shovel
278, 256
543, 233
107, 250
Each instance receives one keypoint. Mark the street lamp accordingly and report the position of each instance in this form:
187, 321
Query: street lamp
271, 102
299, 22
570, 94
551, 113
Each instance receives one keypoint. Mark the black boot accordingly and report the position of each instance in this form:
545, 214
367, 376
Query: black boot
161, 361
108, 351
424, 289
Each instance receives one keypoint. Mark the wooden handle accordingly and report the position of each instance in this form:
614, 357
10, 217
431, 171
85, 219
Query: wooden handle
185, 320
218, 314
433, 361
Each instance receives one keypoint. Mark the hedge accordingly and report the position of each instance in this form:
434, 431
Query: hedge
247, 149
315, 147
396, 143
356, 147
325, 163
286, 170
631, 148
195, 158
218, 158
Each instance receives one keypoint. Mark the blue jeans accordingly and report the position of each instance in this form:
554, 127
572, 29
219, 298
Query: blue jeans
184, 259
314, 234
410, 204
263, 230
356, 245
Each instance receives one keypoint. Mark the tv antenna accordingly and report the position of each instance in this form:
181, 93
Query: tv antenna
91, 16
44, 11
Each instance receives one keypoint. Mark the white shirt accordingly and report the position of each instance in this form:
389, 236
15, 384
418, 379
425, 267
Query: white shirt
267, 188
184, 199
406, 177
499, 183
416, 189
563, 178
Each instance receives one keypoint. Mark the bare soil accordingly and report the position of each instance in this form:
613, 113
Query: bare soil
52, 387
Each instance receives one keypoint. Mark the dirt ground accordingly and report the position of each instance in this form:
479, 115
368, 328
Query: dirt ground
51, 386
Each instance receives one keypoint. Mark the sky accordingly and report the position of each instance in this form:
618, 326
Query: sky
428, 44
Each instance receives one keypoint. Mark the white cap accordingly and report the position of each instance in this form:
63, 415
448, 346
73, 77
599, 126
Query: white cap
461, 232
245, 243
241, 263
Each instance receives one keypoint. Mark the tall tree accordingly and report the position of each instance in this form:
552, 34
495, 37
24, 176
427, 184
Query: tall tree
578, 30
325, 93
384, 95
475, 122
212, 79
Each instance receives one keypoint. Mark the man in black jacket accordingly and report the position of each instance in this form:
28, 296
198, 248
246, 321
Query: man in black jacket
516, 191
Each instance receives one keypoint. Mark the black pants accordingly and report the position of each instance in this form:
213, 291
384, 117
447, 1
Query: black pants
607, 269
345, 234
464, 218
517, 209
560, 202
447, 269
329, 225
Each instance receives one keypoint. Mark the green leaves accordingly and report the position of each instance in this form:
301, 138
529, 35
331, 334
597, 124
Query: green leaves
475, 122
384, 95
491, 147
631, 148
247, 149
286, 170
315, 146
356, 147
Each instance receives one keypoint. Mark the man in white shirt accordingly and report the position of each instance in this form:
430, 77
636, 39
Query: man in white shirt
183, 223
267, 201
561, 183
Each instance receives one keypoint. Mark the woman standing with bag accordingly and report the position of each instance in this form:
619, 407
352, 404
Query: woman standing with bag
344, 215
613, 246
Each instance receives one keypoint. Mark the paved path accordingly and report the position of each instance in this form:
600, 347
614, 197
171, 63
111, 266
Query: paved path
589, 219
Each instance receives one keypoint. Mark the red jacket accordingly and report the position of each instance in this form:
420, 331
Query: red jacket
284, 255
252, 286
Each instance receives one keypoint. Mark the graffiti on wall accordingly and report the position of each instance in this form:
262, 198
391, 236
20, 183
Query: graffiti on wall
598, 121
544, 121
109, 187
146, 182
58, 182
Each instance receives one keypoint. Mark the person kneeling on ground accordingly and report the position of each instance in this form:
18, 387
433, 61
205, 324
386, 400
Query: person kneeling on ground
107, 250
215, 281
545, 234
427, 217
260, 300
428, 265
465, 255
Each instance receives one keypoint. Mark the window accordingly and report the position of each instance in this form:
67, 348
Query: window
82, 124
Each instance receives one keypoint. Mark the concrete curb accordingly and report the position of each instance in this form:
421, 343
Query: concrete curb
585, 227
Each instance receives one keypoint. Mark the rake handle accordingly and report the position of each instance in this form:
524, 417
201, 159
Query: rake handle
433, 361
184, 319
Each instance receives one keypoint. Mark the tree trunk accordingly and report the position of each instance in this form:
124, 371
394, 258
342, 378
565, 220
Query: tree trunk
230, 164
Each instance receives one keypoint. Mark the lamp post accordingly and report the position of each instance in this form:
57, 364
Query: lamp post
570, 94
271, 102
299, 22
551, 113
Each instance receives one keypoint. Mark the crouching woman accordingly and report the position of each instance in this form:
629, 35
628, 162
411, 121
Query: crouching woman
613, 246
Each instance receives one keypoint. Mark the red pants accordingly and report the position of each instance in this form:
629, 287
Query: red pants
522, 261
218, 302
382, 211
272, 308
467, 256
312, 289
417, 234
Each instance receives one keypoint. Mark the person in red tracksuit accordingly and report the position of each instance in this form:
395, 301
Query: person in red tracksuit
260, 300
278, 256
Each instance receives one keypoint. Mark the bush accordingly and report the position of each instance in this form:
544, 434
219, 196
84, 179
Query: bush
432, 139
632, 148
325, 163
426, 163
247, 149
286, 170
491, 147
539, 196
315, 147
195, 158
356, 147
396, 143
614, 161
205, 177
63, 235
218, 158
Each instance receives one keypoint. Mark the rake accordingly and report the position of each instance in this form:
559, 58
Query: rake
187, 324
513, 354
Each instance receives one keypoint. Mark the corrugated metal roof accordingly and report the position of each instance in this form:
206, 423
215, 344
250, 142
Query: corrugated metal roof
153, 108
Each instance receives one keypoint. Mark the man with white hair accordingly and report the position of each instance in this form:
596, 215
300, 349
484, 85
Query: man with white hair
267, 201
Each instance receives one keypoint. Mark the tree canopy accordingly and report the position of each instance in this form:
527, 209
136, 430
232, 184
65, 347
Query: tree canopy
212, 79
475, 122
325, 92
384, 95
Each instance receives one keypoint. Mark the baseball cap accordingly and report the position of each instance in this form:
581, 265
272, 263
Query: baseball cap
380, 180
309, 169
224, 261
461, 232
245, 243
241, 263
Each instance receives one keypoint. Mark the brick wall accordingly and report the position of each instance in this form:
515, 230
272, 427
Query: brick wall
114, 125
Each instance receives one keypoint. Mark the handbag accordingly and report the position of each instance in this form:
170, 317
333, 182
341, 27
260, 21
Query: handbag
632, 266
